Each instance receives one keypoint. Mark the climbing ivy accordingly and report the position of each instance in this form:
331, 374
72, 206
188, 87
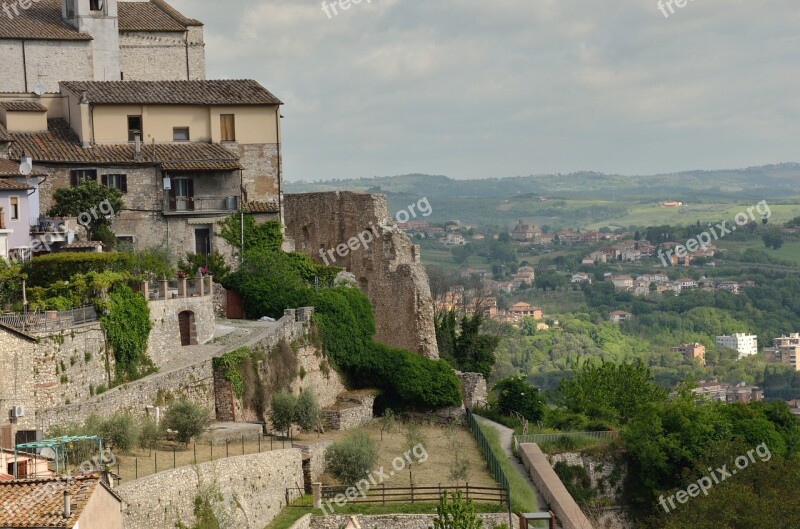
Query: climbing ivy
229, 365
126, 320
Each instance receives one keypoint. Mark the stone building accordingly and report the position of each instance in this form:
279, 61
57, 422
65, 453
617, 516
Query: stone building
185, 154
92, 40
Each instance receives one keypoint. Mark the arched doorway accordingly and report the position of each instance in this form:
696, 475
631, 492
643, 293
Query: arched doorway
187, 328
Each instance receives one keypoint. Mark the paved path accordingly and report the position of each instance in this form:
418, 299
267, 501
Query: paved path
506, 438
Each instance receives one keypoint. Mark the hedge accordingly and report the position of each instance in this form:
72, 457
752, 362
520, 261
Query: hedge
47, 269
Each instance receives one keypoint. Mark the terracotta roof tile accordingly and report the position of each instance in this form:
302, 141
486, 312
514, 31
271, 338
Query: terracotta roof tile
261, 207
148, 16
81, 245
42, 21
60, 145
7, 184
23, 105
217, 92
4, 136
40, 503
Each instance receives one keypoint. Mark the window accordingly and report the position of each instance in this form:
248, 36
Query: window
14, 208
180, 134
96, 5
134, 128
115, 181
79, 176
70, 9
228, 127
126, 243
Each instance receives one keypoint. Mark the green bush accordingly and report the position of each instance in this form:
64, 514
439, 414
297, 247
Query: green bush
456, 514
282, 411
514, 394
229, 365
47, 269
120, 432
214, 263
352, 458
308, 414
150, 433
186, 418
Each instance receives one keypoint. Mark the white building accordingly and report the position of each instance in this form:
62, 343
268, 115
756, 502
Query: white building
746, 344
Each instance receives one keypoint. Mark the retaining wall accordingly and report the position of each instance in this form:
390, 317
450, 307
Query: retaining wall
253, 488
552, 489
399, 521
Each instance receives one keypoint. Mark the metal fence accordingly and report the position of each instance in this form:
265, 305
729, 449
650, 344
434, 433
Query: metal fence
488, 454
574, 436
50, 320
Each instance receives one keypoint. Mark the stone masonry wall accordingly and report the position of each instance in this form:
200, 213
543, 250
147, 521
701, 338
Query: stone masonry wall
53, 60
63, 367
162, 56
473, 389
401, 521
253, 490
165, 336
388, 271
196, 382
349, 413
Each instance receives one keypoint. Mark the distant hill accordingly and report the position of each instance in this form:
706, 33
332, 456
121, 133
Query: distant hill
578, 199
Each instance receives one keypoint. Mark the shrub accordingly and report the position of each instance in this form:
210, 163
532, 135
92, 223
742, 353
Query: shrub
352, 458
150, 433
50, 268
187, 419
120, 432
515, 394
214, 263
229, 365
456, 514
282, 411
307, 411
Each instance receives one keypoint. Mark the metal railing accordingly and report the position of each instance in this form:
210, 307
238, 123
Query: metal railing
188, 287
491, 460
50, 320
556, 436
194, 204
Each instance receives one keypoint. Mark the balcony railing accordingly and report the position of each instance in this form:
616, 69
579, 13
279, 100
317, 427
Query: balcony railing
189, 205
50, 320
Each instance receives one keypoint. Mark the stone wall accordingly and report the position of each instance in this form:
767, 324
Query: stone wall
351, 411
253, 488
607, 472
63, 367
473, 389
54, 60
552, 489
315, 453
401, 521
196, 382
165, 336
162, 56
387, 267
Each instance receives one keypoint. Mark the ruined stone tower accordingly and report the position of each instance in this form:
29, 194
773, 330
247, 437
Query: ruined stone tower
387, 268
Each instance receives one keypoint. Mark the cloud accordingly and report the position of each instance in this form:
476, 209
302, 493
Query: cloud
474, 88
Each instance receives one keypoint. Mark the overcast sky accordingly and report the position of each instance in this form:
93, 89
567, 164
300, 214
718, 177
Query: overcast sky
500, 88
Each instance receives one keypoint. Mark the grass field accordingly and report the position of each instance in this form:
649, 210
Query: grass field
790, 251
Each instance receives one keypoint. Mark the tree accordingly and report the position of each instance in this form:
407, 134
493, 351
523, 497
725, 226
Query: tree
150, 433
515, 394
456, 514
307, 411
352, 458
388, 422
186, 418
414, 438
94, 205
282, 411
120, 432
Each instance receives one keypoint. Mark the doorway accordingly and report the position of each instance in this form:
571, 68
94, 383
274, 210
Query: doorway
187, 328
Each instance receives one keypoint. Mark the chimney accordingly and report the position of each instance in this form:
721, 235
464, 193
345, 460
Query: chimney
67, 506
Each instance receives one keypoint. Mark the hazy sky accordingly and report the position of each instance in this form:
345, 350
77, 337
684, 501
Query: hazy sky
500, 88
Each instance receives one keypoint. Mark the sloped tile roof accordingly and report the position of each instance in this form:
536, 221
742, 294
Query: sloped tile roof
40, 503
60, 145
12, 185
217, 92
261, 207
42, 21
152, 16
81, 245
11, 168
23, 105
4, 136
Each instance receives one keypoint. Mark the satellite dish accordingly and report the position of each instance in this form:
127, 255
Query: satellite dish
38, 89
48, 452
25, 165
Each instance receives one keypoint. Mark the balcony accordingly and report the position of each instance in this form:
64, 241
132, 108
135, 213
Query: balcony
200, 205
